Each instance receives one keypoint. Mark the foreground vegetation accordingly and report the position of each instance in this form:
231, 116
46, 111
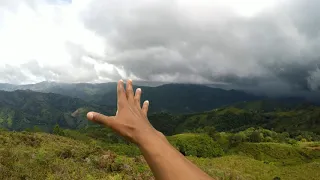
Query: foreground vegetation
37, 155
247, 140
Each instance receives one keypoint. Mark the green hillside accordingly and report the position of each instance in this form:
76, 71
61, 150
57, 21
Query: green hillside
25, 109
25, 155
173, 98
231, 118
246, 140
273, 104
183, 98
77, 90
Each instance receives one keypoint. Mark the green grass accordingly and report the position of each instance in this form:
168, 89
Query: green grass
243, 167
45, 156
275, 153
26, 155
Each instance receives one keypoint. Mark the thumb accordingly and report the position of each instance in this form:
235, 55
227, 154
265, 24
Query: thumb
100, 118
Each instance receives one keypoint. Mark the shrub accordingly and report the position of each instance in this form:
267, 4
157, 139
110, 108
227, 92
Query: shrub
292, 141
124, 149
222, 139
57, 130
236, 139
268, 139
199, 145
256, 136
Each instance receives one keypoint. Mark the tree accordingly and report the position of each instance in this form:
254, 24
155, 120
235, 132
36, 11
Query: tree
210, 130
256, 136
236, 139
36, 129
57, 130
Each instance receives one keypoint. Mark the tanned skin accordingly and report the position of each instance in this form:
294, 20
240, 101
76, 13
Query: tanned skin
132, 123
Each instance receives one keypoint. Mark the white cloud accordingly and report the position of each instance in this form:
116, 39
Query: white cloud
44, 34
259, 43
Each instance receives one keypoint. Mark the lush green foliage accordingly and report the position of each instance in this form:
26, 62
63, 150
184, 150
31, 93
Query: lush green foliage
20, 110
44, 156
303, 121
199, 145
25, 155
247, 140
283, 154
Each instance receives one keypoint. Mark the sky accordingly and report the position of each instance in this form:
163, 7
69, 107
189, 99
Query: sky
267, 45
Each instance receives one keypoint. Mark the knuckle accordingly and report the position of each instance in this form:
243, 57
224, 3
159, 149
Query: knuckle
119, 91
129, 91
137, 98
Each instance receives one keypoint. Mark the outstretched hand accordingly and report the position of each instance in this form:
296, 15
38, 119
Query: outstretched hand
132, 123
131, 119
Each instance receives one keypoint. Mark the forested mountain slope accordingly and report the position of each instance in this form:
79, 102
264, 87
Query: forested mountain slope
173, 98
25, 109
299, 117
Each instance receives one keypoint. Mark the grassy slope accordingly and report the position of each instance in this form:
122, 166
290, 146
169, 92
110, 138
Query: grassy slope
45, 156
242, 167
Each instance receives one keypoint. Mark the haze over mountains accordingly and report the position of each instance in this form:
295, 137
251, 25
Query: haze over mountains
174, 98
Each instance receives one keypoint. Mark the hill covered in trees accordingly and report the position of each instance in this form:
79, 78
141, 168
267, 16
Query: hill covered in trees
283, 118
183, 98
25, 109
173, 98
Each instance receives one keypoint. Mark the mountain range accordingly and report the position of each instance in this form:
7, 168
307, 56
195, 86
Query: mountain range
174, 108
173, 98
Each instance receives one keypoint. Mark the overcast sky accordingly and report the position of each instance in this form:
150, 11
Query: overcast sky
271, 45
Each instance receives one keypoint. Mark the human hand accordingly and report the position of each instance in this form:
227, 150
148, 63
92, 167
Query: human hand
131, 119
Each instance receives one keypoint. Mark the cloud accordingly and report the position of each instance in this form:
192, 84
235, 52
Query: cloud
45, 40
314, 79
271, 50
12, 74
158, 40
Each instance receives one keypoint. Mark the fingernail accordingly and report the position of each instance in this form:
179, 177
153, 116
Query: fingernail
130, 80
147, 101
90, 115
139, 89
121, 80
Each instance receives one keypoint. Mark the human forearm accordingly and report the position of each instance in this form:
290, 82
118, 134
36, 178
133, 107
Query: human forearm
166, 162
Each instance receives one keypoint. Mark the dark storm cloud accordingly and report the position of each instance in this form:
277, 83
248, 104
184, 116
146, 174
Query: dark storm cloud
159, 40
275, 51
